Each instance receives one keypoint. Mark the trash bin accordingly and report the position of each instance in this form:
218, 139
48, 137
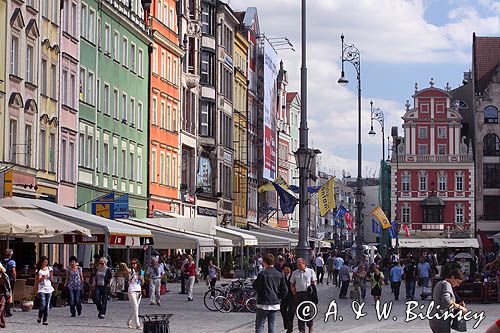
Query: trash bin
156, 323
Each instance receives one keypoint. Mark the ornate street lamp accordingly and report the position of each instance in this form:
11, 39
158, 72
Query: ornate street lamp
351, 54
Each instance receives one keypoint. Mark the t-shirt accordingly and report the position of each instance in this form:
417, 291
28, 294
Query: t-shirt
156, 272
423, 269
338, 262
344, 273
329, 263
100, 275
191, 269
409, 272
396, 274
134, 283
9, 264
212, 272
44, 284
302, 279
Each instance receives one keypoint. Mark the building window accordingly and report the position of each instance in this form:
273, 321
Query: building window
44, 78
45, 9
459, 182
89, 152
91, 27
116, 46
153, 166
433, 214
115, 160
154, 116
82, 83
441, 149
162, 168
81, 149
139, 116
442, 182
132, 57
43, 149
491, 175
491, 145
440, 108
424, 108
139, 168
422, 132
107, 32
124, 108
98, 94
168, 172
27, 141
226, 83
207, 68
172, 22
226, 133
422, 182
459, 213
132, 111
13, 141
125, 51
206, 118
131, 166
405, 214
106, 99
162, 64
73, 91
491, 207
90, 89
174, 120
169, 117
491, 114
207, 19
227, 40
105, 166
169, 68
55, 10
174, 171
124, 163
29, 64
64, 87
116, 103
175, 79
53, 81
441, 132
97, 154
162, 114
83, 21
73, 21
155, 59
140, 65
422, 149
71, 174
405, 181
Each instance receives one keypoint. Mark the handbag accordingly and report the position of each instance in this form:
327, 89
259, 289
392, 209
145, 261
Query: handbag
313, 292
458, 325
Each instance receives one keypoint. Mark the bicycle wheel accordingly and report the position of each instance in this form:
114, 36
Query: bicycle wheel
223, 304
209, 301
251, 304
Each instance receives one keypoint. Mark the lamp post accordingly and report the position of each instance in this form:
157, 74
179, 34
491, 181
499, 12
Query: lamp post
351, 54
303, 153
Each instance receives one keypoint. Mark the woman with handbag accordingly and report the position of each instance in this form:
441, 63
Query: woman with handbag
74, 283
135, 281
377, 282
444, 296
5, 294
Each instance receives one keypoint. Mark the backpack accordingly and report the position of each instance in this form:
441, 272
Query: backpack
409, 272
8, 268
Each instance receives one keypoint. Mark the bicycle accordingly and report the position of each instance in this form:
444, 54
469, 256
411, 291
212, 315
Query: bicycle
240, 296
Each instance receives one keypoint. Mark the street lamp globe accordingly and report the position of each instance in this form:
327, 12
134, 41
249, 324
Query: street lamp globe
343, 81
372, 132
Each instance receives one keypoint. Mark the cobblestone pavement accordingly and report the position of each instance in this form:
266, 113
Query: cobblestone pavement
194, 317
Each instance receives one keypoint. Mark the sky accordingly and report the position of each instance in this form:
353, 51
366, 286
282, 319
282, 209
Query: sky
401, 43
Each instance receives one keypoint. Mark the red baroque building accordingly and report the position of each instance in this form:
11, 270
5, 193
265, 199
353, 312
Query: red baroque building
432, 169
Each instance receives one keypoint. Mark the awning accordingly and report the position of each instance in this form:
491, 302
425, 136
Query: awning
14, 225
265, 239
238, 238
54, 226
438, 243
168, 239
120, 235
293, 238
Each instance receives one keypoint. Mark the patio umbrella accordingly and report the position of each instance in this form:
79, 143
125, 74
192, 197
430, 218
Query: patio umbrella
54, 226
15, 225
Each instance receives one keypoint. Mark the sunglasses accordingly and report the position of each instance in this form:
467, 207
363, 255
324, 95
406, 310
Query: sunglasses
134, 263
101, 263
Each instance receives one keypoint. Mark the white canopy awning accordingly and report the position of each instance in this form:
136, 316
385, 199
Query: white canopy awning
293, 238
120, 235
169, 239
15, 225
415, 243
265, 239
437, 243
238, 238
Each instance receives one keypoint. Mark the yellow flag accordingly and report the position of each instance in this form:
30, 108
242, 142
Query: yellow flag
269, 186
326, 197
380, 216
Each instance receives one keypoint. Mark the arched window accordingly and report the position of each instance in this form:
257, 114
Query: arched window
491, 145
491, 114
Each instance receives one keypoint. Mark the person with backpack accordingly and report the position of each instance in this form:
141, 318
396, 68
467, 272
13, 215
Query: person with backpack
10, 269
74, 283
5, 294
409, 277
135, 281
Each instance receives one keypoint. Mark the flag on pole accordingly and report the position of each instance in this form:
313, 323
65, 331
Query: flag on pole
380, 216
310, 189
326, 197
287, 201
270, 187
405, 228
375, 226
348, 220
341, 211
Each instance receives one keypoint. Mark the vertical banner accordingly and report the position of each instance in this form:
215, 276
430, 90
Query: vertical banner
7, 183
326, 197
121, 210
270, 114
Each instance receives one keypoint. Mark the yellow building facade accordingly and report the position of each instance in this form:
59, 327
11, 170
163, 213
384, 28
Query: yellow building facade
240, 188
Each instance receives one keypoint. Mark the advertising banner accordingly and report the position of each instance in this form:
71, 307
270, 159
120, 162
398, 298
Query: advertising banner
121, 207
270, 104
104, 206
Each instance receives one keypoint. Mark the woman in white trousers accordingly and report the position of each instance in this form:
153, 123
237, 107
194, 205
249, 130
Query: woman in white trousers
135, 280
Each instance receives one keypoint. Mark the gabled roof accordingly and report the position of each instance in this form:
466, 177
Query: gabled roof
16, 20
32, 29
290, 96
485, 59
251, 20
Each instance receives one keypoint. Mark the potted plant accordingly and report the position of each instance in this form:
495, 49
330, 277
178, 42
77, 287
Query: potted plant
27, 302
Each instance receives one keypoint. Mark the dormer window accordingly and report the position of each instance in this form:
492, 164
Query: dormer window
491, 115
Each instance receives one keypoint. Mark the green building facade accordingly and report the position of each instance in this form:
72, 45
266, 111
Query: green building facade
113, 108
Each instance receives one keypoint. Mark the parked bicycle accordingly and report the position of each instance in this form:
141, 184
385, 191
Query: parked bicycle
235, 296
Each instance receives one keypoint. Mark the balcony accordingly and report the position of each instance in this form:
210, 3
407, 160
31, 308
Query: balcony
433, 158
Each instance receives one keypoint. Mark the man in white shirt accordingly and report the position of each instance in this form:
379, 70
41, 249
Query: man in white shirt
302, 278
320, 263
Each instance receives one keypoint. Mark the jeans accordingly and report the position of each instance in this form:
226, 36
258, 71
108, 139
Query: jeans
212, 286
154, 290
183, 283
75, 301
320, 272
343, 289
43, 310
134, 299
362, 286
101, 299
3, 309
395, 288
8, 305
300, 297
287, 313
336, 277
261, 317
410, 289
329, 275
190, 286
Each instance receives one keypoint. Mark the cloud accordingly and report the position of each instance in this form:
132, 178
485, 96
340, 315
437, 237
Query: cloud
386, 32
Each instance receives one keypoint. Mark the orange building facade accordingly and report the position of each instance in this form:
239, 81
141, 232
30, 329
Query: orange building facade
164, 124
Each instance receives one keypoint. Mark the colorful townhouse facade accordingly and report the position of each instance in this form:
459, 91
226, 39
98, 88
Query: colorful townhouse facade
69, 65
293, 110
164, 125
114, 103
22, 109
240, 134
3, 72
433, 170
